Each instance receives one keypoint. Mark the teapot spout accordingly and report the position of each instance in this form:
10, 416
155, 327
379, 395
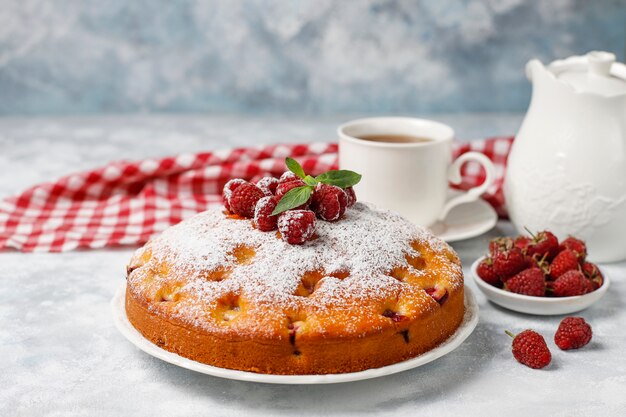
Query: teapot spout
533, 67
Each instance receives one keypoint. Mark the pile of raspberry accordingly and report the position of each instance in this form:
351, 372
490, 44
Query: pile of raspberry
258, 200
540, 266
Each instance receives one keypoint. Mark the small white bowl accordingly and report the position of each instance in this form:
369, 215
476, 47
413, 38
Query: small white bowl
544, 306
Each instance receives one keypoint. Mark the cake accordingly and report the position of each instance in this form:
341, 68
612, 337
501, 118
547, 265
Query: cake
368, 291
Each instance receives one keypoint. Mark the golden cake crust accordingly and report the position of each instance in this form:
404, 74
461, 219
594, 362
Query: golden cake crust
363, 294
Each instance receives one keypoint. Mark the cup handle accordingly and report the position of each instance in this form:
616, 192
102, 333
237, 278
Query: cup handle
454, 176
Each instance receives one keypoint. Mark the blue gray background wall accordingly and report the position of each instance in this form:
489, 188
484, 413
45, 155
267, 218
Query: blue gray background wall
316, 56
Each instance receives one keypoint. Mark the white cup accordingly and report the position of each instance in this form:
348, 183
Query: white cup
410, 178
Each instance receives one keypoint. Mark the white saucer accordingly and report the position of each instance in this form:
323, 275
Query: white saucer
121, 322
466, 220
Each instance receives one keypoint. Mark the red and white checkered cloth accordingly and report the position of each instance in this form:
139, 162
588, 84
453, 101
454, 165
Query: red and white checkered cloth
125, 203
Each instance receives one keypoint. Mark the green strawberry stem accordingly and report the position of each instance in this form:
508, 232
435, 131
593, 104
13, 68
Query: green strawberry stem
510, 334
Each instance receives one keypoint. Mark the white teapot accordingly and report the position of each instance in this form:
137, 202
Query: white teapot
567, 168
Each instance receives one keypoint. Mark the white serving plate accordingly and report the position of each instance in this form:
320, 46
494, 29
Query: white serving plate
544, 306
126, 328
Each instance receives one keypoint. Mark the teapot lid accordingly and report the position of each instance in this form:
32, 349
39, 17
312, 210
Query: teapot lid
597, 72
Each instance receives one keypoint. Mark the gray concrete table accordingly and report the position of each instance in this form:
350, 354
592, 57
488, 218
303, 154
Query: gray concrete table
62, 356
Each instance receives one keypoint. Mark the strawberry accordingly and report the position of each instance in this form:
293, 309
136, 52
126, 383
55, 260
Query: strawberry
530, 349
530, 281
509, 262
573, 333
486, 273
570, 284
576, 245
543, 244
566, 260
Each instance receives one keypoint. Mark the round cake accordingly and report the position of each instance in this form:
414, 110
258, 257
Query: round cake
365, 292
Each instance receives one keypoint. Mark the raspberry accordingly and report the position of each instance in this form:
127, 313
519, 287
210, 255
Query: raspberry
263, 218
543, 244
268, 185
351, 196
522, 242
244, 198
575, 245
500, 244
509, 262
566, 260
570, 284
530, 281
228, 189
329, 202
284, 187
287, 176
573, 333
530, 349
486, 273
439, 293
296, 226
592, 272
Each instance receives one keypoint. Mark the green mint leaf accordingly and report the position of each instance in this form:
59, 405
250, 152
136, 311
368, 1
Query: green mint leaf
341, 178
295, 167
309, 180
293, 198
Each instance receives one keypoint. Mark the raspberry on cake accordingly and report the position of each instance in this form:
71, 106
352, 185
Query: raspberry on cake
329, 202
369, 290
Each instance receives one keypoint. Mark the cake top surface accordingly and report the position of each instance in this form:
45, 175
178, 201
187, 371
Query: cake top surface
369, 259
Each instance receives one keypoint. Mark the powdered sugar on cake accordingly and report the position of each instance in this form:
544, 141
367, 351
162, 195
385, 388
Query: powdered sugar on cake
355, 255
